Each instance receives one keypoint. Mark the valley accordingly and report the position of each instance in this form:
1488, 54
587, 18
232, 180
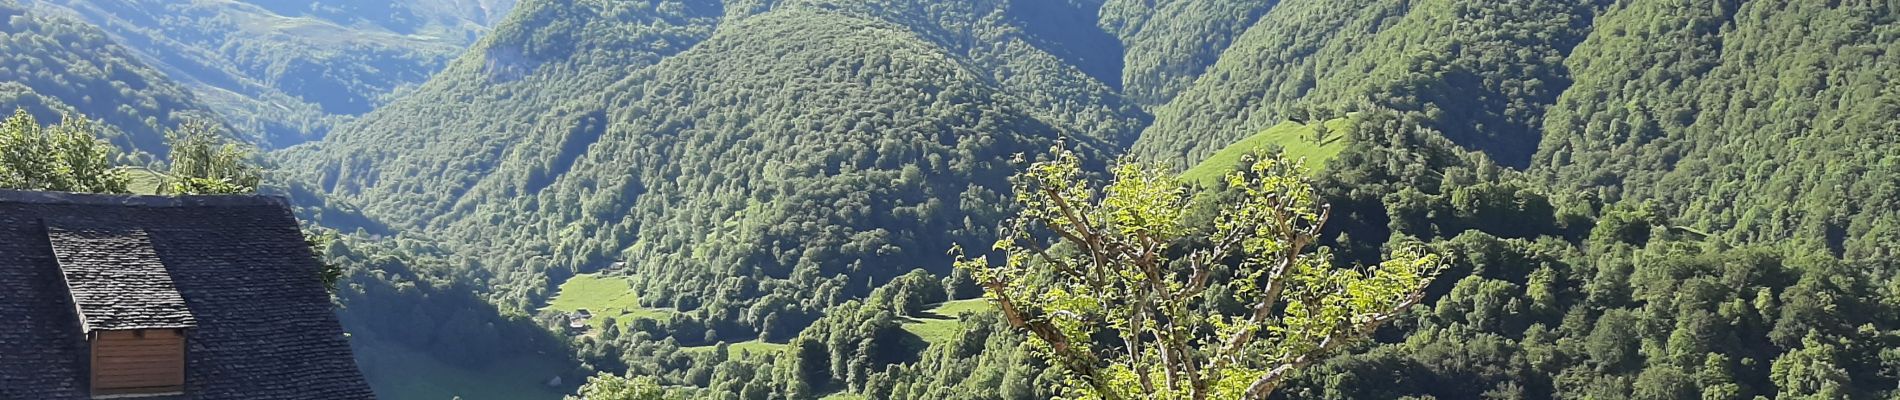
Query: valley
788, 199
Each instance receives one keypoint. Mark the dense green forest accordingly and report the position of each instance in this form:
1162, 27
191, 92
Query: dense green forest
1545, 298
1783, 129
1683, 199
709, 158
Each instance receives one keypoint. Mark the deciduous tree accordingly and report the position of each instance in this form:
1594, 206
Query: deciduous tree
1226, 313
65, 157
609, 387
202, 162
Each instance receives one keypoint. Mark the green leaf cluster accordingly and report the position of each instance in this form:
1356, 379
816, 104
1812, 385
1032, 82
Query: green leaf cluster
66, 157
1227, 313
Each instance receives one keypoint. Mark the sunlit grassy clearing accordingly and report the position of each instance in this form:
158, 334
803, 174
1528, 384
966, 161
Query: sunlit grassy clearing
939, 324
1294, 138
604, 296
751, 348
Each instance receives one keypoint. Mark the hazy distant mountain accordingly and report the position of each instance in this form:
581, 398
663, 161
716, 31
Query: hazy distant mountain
288, 71
51, 65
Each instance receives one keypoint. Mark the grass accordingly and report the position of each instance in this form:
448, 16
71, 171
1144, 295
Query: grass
397, 373
936, 325
939, 324
1294, 138
756, 347
604, 296
144, 181
750, 348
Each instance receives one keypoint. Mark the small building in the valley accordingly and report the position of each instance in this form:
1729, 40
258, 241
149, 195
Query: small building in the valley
577, 321
201, 297
576, 326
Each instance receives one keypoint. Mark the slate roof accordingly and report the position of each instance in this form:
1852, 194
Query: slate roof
116, 279
260, 322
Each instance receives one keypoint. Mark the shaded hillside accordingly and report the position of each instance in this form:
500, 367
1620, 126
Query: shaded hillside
408, 17
420, 328
289, 71
1171, 42
51, 65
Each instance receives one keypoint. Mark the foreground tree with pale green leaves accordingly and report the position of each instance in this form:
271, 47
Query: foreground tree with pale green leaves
1226, 313
203, 162
609, 387
67, 157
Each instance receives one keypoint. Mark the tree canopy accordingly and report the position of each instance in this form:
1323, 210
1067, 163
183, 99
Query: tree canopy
67, 157
1191, 324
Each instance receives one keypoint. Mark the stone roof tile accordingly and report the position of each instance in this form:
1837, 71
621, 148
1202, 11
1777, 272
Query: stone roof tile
117, 280
264, 327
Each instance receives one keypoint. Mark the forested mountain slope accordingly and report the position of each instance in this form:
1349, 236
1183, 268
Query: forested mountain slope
52, 66
1050, 54
1756, 120
418, 155
869, 150
287, 71
852, 137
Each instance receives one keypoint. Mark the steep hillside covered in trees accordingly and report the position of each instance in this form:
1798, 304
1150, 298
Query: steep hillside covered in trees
417, 155
1544, 299
1756, 121
798, 151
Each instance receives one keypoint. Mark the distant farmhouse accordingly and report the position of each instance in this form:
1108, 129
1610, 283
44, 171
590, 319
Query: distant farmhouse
577, 321
209, 297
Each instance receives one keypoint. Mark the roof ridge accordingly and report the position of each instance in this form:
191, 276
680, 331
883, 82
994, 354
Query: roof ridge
39, 197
